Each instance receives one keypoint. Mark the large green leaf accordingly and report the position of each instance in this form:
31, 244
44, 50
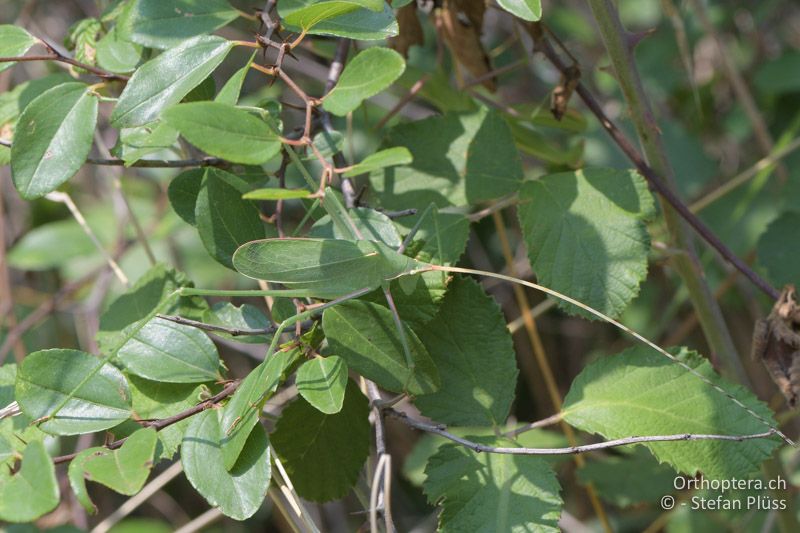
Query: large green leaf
306, 16
238, 493
166, 79
52, 138
641, 392
326, 268
362, 24
322, 382
492, 492
116, 53
224, 220
160, 24
459, 159
174, 353
31, 492
225, 131
586, 235
324, 454
14, 41
140, 303
124, 470
469, 342
241, 413
46, 379
530, 10
365, 336
367, 74
777, 251
183, 191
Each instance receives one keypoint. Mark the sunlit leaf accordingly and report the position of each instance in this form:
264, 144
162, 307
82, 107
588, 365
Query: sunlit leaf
160, 24
322, 382
14, 41
367, 74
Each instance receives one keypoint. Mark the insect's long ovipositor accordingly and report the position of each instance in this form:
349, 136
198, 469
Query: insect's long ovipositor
622, 327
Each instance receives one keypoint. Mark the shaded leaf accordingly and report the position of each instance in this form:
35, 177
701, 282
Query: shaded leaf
159, 24
244, 317
492, 492
229, 94
116, 53
367, 74
322, 382
166, 79
183, 191
586, 235
373, 226
52, 139
14, 41
365, 336
224, 220
124, 470
390, 157
777, 251
459, 159
471, 346
49, 378
31, 492
641, 392
324, 454
174, 353
225, 131
238, 493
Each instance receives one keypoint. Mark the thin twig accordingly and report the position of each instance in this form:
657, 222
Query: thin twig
234, 332
201, 521
440, 430
56, 56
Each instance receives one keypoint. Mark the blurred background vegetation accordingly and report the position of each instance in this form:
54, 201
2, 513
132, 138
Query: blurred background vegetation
53, 284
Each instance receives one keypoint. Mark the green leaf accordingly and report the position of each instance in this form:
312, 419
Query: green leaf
14, 41
166, 79
31, 492
469, 342
124, 470
307, 16
174, 353
159, 24
275, 193
238, 493
229, 94
777, 252
153, 400
586, 235
365, 336
241, 413
326, 268
53, 138
183, 191
530, 10
117, 54
244, 317
225, 131
324, 454
135, 143
140, 303
322, 381
46, 378
224, 220
391, 157
367, 74
641, 392
459, 159
492, 492
779, 76
361, 24
373, 226
628, 479
543, 146
441, 238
